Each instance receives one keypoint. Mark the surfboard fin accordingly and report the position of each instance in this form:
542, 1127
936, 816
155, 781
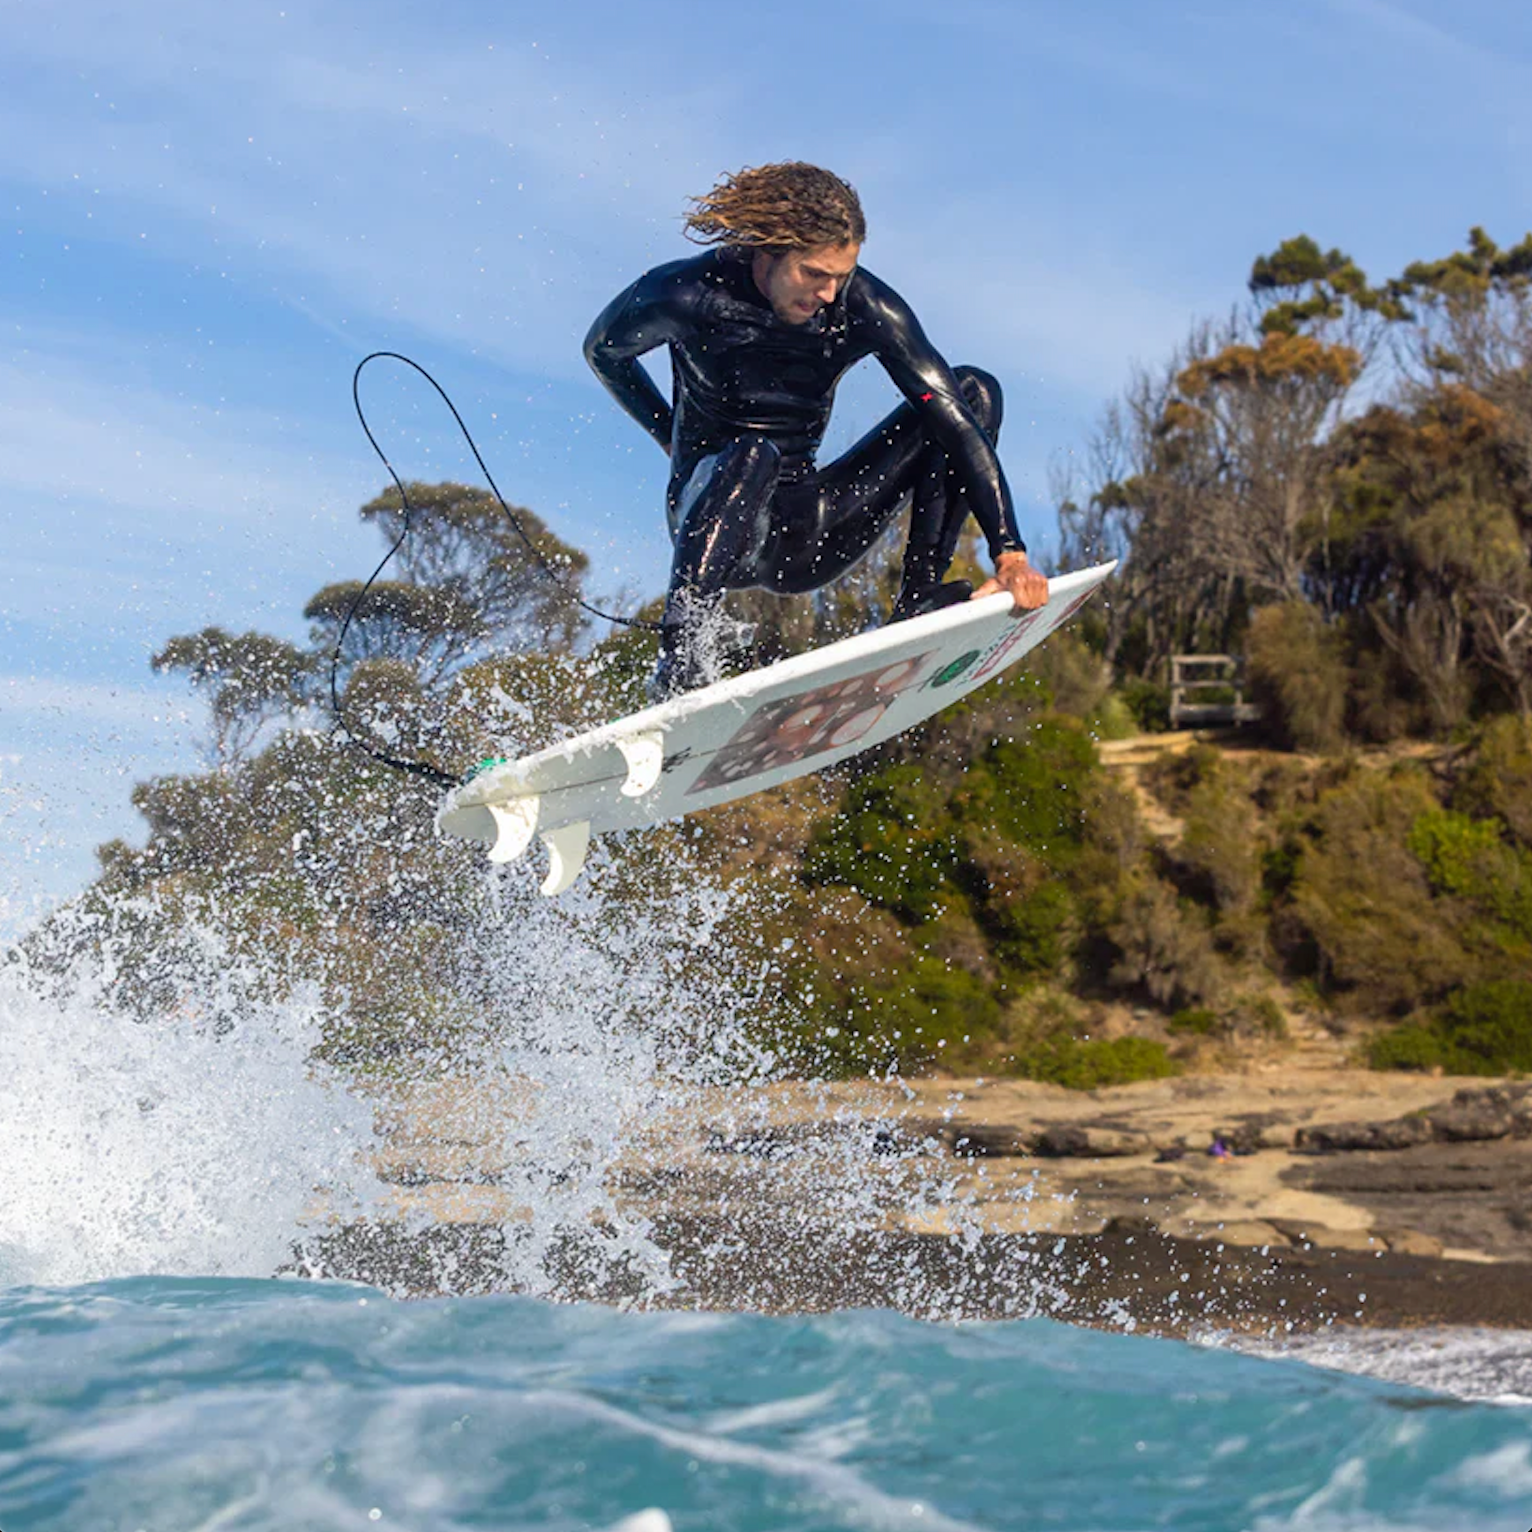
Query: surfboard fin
645, 755
515, 820
567, 848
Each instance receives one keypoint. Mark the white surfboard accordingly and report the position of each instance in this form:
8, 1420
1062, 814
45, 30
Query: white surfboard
750, 732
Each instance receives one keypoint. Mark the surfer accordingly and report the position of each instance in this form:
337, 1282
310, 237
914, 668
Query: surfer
760, 329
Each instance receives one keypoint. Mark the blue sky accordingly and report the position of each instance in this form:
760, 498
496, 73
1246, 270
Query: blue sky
213, 211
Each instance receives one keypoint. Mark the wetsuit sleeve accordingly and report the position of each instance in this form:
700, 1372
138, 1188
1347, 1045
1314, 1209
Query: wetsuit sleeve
637, 320
920, 374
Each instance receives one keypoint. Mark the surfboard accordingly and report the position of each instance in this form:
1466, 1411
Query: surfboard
751, 731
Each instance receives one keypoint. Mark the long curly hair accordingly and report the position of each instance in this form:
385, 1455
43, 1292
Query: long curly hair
787, 206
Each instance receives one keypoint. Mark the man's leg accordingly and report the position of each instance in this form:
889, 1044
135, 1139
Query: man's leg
718, 515
861, 492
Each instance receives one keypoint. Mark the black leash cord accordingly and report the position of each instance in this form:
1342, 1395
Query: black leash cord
423, 768
489, 478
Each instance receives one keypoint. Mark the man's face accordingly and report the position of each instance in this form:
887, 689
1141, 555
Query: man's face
798, 283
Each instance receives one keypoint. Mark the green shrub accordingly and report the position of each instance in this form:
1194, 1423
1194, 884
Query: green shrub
1173, 778
1112, 719
1220, 846
1484, 1029
1412, 1046
902, 839
893, 843
1162, 949
1297, 675
1260, 1014
1490, 1025
1194, 1021
1279, 868
1498, 779
1452, 848
1244, 1016
1467, 858
1384, 941
984, 866
1092, 1063
905, 1019
1033, 790
1031, 935
1148, 702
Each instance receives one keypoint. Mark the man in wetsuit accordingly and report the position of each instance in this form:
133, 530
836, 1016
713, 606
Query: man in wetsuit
760, 330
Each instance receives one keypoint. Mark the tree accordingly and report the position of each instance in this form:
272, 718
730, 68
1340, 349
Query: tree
1472, 324
1261, 410
1432, 510
1210, 477
462, 541
250, 679
430, 628
1213, 467
1304, 291
1472, 332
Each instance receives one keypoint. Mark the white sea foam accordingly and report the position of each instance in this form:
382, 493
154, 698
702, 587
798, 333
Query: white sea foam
614, 1006
1507, 1470
651, 1520
160, 1110
185, 1142
1490, 1366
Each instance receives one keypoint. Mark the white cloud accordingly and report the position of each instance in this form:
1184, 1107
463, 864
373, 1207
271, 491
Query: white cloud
1422, 35
79, 434
469, 193
126, 505
492, 196
482, 194
147, 712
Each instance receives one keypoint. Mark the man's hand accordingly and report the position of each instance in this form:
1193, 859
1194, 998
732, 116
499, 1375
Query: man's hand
1028, 587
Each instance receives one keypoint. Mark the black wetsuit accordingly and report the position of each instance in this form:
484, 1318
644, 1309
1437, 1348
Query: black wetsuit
747, 504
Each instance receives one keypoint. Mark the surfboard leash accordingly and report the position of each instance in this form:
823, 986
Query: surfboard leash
423, 768
399, 763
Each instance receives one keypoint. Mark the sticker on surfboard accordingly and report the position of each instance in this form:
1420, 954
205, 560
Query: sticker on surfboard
796, 728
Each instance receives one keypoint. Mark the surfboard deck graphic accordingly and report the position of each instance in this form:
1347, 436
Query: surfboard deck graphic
750, 732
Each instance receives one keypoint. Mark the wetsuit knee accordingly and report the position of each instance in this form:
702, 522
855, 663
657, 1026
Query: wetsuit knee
742, 474
755, 460
747, 457
720, 516
982, 391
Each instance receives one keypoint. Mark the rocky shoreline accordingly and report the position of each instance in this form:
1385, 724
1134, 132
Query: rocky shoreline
1270, 1200
1348, 1161
1130, 1276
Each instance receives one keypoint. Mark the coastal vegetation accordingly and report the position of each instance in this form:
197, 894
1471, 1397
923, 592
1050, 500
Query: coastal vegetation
1334, 483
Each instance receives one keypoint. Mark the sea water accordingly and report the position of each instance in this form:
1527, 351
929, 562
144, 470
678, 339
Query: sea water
177, 1403
155, 1374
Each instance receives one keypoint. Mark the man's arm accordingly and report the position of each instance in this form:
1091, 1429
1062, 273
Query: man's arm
637, 320
920, 374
